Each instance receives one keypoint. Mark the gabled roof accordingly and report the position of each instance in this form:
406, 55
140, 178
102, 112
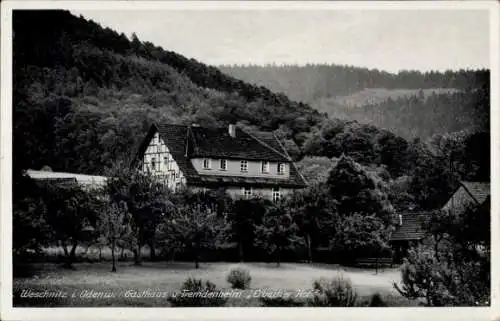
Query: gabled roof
412, 227
186, 142
216, 142
478, 190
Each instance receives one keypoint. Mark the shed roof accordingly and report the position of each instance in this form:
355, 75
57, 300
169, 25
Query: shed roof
411, 227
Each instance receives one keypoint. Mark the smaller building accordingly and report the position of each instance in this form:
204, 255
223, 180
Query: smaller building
409, 232
467, 193
85, 181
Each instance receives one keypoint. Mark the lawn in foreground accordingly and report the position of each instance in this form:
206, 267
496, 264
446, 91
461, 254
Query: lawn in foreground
123, 287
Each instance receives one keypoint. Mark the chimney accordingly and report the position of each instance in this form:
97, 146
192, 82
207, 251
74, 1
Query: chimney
232, 130
400, 219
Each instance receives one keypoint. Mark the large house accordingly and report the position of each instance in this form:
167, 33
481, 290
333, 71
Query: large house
246, 164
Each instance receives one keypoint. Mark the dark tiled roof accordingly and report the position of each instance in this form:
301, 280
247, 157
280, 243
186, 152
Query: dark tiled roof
412, 227
478, 190
185, 142
217, 142
270, 140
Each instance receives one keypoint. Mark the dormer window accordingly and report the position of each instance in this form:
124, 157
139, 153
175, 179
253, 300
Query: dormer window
223, 164
265, 167
207, 163
244, 166
281, 168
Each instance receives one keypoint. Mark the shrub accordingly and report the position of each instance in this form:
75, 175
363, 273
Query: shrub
194, 294
337, 292
280, 302
386, 300
239, 278
377, 301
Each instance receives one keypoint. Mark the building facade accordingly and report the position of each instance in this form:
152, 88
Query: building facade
245, 164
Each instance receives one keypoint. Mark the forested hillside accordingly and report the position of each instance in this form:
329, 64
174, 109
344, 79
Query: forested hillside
403, 102
85, 96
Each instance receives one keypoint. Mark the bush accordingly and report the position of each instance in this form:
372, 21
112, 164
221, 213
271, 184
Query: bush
280, 302
194, 294
377, 301
337, 292
239, 278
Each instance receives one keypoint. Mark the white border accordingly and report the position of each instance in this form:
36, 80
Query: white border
9, 313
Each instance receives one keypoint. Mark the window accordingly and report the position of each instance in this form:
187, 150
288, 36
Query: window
265, 167
246, 192
165, 161
169, 162
276, 194
153, 163
206, 163
281, 168
244, 166
223, 164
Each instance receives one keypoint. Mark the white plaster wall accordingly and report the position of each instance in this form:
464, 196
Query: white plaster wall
265, 192
234, 168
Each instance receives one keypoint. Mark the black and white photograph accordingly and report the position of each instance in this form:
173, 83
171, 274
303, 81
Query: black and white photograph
232, 156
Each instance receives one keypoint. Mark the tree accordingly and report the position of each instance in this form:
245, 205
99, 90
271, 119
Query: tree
243, 219
359, 235
30, 231
277, 232
71, 212
314, 212
356, 191
114, 226
454, 268
196, 222
147, 200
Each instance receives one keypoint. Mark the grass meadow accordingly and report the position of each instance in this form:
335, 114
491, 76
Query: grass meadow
94, 285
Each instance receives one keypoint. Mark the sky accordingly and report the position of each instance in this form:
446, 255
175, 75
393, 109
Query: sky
390, 40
